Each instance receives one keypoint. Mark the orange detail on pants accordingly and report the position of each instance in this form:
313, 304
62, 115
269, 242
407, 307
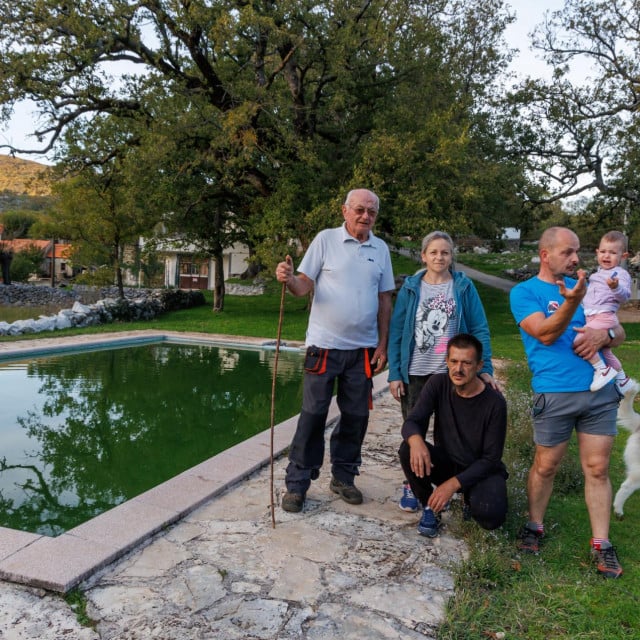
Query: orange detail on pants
369, 374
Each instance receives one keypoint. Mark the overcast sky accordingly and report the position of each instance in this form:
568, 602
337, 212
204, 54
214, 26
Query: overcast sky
529, 13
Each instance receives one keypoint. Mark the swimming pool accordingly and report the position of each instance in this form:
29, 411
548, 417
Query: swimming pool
61, 563
82, 432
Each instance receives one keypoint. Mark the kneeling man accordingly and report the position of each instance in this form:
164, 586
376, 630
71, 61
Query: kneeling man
470, 427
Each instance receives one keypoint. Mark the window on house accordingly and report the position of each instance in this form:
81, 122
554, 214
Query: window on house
196, 268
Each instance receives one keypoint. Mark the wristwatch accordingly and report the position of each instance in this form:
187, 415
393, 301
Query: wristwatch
612, 335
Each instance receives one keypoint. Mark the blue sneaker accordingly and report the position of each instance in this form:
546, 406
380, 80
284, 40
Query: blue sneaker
408, 502
428, 525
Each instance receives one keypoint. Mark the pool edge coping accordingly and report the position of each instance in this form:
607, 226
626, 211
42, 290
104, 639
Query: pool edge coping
61, 563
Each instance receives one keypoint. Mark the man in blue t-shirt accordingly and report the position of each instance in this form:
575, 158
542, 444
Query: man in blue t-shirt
549, 314
349, 271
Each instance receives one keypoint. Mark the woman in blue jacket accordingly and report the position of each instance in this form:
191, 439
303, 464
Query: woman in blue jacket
433, 305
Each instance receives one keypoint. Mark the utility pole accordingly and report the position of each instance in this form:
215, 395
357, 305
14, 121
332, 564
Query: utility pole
53, 262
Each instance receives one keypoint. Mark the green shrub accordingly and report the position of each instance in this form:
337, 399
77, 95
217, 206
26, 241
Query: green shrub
101, 277
174, 299
23, 266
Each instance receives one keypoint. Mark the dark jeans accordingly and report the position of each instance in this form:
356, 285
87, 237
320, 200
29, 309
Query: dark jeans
412, 391
410, 397
306, 454
487, 499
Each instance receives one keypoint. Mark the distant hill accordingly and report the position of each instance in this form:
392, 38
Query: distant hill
23, 177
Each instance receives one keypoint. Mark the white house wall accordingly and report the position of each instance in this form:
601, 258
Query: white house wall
234, 262
237, 261
170, 269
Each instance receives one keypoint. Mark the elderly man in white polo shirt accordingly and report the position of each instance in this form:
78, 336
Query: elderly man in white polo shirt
350, 271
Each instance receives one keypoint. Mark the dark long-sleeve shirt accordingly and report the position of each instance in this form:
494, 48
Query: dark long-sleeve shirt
472, 431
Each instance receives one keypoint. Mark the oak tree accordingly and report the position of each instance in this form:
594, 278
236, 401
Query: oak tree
579, 129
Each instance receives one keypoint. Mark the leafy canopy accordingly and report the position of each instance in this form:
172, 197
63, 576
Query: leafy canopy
273, 110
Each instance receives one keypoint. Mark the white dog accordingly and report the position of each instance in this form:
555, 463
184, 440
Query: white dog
630, 420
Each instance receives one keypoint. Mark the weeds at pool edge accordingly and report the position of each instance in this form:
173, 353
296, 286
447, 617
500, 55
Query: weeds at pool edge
77, 600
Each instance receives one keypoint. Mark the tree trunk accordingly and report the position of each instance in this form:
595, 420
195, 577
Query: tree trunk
218, 284
119, 281
118, 258
5, 259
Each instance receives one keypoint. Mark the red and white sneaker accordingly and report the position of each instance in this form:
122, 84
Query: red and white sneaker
624, 386
602, 377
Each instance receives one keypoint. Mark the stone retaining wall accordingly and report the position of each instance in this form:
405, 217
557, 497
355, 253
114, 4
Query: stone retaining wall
244, 289
138, 304
25, 295
35, 296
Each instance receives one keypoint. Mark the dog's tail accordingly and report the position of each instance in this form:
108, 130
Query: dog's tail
627, 417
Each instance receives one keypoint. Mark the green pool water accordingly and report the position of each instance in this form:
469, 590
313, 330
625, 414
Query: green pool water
83, 432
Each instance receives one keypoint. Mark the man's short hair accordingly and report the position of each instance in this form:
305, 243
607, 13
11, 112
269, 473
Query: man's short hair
347, 200
466, 341
549, 237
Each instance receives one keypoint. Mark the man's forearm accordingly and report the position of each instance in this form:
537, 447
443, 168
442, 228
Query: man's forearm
589, 340
556, 324
619, 339
299, 285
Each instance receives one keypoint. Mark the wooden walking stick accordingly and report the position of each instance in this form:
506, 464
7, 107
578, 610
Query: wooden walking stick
273, 392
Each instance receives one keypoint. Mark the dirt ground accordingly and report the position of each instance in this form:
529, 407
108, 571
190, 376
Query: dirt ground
630, 312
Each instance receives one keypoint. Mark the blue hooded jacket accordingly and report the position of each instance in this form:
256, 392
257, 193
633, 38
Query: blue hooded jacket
473, 320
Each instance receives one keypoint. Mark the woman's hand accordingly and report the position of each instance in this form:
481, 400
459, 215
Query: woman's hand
492, 382
397, 389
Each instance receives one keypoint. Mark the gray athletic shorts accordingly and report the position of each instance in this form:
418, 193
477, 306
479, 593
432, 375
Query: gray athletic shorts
555, 415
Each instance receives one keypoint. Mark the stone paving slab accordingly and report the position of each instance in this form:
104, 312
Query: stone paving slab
51, 343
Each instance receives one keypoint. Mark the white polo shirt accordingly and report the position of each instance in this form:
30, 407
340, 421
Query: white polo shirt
348, 276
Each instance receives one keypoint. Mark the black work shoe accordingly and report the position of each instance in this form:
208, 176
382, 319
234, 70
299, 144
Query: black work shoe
529, 540
348, 492
292, 502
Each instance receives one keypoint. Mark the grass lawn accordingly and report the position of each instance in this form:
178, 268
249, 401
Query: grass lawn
242, 315
554, 595
497, 263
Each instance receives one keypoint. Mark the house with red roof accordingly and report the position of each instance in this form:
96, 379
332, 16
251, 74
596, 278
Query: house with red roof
53, 253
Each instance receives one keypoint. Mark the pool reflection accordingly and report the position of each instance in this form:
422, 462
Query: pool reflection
83, 432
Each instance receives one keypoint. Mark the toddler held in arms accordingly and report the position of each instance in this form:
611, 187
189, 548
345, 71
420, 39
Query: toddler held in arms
608, 287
